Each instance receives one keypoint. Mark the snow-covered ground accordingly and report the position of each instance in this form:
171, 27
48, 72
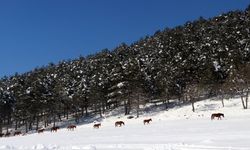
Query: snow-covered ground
176, 129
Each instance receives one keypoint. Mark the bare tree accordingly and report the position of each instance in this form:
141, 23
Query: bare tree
239, 81
192, 93
223, 90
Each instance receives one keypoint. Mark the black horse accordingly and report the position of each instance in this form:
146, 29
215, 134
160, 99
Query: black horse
147, 121
218, 115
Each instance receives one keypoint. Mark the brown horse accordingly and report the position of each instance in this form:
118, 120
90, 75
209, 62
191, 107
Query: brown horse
119, 123
147, 121
40, 130
97, 126
17, 133
218, 115
71, 127
54, 129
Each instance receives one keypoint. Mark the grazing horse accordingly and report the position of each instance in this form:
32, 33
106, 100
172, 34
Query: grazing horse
71, 127
40, 130
119, 123
218, 115
97, 126
54, 129
17, 133
147, 121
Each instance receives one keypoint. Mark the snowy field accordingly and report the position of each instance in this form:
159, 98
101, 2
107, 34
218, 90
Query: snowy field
176, 129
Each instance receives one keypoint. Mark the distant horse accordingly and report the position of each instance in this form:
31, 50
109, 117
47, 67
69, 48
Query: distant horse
7, 134
17, 133
40, 130
147, 121
54, 129
218, 115
97, 126
71, 127
1, 134
119, 123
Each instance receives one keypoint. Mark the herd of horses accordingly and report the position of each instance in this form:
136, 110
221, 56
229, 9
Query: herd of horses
98, 125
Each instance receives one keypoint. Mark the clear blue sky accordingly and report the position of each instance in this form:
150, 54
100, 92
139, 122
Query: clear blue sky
36, 32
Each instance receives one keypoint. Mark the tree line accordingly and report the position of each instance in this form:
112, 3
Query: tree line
188, 63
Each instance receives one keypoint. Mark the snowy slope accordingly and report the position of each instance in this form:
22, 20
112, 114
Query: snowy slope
176, 129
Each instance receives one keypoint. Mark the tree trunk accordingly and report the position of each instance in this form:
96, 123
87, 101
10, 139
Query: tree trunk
45, 121
246, 100
26, 126
129, 106
30, 125
242, 101
125, 107
1, 126
222, 101
9, 119
76, 117
100, 112
167, 103
82, 111
193, 109
103, 108
7, 129
16, 124
67, 113
37, 122
59, 117
54, 120
138, 106
86, 110
192, 101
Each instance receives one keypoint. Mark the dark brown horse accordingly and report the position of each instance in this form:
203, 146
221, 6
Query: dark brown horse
97, 126
71, 127
54, 129
218, 115
119, 123
147, 121
17, 133
40, 130
1, 134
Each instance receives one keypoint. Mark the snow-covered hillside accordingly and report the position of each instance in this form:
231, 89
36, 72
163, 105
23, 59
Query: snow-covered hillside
176, 129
